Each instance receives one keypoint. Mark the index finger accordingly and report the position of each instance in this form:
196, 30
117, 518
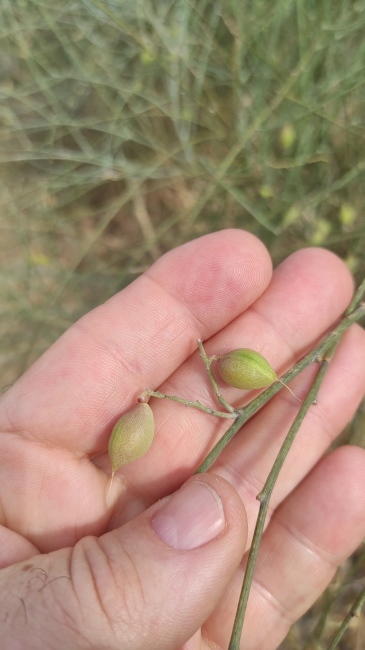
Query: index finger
96, 370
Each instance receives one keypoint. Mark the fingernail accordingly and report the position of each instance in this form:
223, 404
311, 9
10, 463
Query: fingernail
192, 517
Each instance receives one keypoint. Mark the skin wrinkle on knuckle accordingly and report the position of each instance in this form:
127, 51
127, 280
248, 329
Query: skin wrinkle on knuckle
274, 603
320, 420
287, 611
208, 643
135, 599
248, 493
169, 335
72, 624
309, 547
7, 415
277, 336
244, 484
70, 567
117, 593
120, 360
349, 376
135, 367
91, 605
182, 306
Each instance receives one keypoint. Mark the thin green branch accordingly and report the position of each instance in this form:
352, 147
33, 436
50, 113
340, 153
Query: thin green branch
264, 498
358, 296
246, 413
208, 366
196, 404
354, 611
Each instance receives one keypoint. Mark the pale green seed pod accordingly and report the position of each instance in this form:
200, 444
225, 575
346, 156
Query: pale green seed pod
132, 436
246, 369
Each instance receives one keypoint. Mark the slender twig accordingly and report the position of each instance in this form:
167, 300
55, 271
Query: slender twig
358, 296
208, 366
330, 343
196, 404
247, 412
354, 611
264, 498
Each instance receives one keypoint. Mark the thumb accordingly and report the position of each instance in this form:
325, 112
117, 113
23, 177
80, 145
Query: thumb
147, 585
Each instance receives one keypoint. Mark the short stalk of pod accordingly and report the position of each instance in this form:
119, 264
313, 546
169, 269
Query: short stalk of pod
132, 436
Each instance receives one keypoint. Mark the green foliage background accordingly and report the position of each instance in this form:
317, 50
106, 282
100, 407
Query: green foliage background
130, 126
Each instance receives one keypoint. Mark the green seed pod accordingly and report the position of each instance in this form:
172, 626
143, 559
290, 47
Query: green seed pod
246, 369
132, 436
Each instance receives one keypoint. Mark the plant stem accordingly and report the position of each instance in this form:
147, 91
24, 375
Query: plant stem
354, 611
197, 405
246, 413
265, 494
264, 498
358, 296
208, 367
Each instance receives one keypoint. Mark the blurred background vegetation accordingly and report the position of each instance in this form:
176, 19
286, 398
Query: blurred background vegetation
128, 127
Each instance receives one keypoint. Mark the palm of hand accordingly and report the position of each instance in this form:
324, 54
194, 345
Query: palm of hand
59, 416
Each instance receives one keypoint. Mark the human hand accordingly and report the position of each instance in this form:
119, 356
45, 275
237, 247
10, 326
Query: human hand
83, 572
